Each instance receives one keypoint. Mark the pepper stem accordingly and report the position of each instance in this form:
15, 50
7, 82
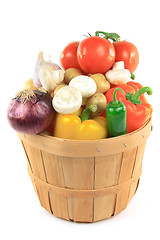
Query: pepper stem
115, 101
87, 111
132, 76
113, 36
134, 98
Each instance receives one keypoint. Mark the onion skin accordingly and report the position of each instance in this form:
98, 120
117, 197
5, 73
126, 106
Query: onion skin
33, 116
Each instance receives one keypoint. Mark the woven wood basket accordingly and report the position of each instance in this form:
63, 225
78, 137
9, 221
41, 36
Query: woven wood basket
85, 181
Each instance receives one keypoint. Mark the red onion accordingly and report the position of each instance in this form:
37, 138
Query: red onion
30, 112
39, 64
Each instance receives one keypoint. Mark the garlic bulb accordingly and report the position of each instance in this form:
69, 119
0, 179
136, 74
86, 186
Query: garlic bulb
39, 64
50, 78
67, 100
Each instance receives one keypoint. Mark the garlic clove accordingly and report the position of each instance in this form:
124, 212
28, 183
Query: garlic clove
84, 84
120, 76
46, 79
58, 76
39, 64
50, 77
67, 100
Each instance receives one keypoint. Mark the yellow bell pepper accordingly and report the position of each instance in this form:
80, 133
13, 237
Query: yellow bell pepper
78, 112
70, 126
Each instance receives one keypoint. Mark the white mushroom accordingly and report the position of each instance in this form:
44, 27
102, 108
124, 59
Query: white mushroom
50, 77
85, 85
118, 75
118, 65
67, 100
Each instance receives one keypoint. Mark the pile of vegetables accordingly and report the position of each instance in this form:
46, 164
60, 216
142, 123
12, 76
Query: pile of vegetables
93, 96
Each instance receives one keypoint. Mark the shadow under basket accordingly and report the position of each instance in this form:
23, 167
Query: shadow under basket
85, 181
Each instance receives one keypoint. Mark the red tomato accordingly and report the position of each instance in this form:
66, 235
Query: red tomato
95, 55
68, 58
127, 52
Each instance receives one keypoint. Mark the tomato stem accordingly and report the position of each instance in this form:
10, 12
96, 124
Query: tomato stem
113, 36
89, 35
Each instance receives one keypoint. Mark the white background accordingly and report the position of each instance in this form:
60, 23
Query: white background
27, 27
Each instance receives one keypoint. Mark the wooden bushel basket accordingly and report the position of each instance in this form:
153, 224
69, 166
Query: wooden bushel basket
85, 181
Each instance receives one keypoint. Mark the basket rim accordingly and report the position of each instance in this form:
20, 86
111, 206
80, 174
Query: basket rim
88, 148
97, 140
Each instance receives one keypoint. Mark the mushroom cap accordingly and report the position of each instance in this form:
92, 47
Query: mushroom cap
118, 65
67, 100
118, 76
84, 84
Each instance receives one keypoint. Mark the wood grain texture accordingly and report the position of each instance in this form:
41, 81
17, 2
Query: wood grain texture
127, 165
30, 168
55, 176
88, 148
107, 171
79, 174
85, 165
137, 166
37, 166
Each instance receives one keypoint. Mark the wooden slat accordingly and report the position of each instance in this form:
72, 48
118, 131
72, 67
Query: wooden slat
85, 165
139, 157
26, 154
137, 166
36, 163
55, 176
127, 165
106, 174
132, 190
83, 210
30, 168
79, 174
